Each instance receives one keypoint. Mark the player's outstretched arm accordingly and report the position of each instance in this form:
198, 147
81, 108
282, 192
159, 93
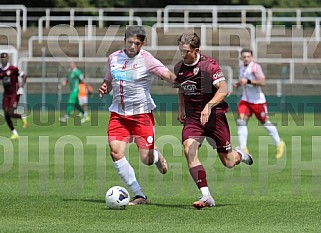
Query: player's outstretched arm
169, 76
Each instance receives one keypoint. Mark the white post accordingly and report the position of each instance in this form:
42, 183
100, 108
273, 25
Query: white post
159, 16
186, 18
43, 97
131, 16
72, 17
243, 17
298, 18
90, 29
47, 18
101, 18
214, 18
317, 29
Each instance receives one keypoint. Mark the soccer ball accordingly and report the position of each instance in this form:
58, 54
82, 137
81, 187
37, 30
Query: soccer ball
117, 197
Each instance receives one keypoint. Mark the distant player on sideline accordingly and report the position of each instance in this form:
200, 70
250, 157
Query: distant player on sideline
84, 90
253, 102
74, 76
130, 73
13, 82
202, 109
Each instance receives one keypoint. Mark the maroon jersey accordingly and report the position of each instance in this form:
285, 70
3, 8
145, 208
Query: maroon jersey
9, 76
197, 81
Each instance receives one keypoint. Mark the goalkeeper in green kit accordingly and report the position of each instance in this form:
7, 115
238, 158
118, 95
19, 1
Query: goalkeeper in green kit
74, 76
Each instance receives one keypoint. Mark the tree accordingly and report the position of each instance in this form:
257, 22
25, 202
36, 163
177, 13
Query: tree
73, 3
285, 3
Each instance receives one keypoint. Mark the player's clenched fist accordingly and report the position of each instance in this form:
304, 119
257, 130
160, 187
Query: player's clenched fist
102, 90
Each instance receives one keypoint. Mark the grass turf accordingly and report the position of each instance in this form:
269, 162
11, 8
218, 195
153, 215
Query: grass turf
54, 178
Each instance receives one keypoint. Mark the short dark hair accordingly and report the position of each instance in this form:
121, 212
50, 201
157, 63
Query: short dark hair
190, 38
246, 50
137, 31
4, 55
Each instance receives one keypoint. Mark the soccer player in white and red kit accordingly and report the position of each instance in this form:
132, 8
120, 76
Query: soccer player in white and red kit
130, 73
10, 75
253, 101
202, 110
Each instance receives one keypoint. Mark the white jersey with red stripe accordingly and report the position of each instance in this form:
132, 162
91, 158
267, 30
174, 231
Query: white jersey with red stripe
131, 80
252, 93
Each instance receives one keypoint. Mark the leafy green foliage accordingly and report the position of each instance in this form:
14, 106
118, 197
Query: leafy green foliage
148, 3
73, 3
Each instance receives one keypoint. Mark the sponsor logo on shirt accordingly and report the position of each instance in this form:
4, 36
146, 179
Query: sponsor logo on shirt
125, 75
196, 70
189, 87
218, 75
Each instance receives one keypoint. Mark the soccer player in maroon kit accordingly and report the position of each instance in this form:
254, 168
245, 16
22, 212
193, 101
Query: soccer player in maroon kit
202, 110
10, 75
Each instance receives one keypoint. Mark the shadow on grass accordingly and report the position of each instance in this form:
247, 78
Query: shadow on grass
181, 206
86, 200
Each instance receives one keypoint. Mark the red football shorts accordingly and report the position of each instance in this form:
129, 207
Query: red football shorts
10, 101
216, 131
259, 110
140, 128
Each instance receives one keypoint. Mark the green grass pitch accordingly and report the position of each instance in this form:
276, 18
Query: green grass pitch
54, 179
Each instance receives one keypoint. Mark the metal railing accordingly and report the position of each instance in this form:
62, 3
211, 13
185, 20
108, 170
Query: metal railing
80, 40
203, 35
20, 10
292, 62
214, 10
15, 29
84, 18
302, 40
154, 14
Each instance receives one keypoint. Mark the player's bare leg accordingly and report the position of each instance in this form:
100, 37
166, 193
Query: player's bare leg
235, 157
153, 156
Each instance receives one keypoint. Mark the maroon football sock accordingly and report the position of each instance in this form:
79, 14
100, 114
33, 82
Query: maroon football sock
198, 174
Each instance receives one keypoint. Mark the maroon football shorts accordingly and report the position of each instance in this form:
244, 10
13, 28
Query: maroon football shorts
10, 101
216, 131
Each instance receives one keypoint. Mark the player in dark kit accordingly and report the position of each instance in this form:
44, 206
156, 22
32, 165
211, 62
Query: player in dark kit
10, 76
202, 110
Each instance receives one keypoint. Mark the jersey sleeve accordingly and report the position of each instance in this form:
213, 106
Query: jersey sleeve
258, 72
153, 65
15, 70
216, 72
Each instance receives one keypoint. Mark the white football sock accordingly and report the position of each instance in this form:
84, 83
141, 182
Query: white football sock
244, 156
14, 131
243, 134
155, 156
127, 174
273, 132
205, 191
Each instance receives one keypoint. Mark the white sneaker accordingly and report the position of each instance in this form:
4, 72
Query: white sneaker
205, 201
246, 157
63, 119
83, 120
